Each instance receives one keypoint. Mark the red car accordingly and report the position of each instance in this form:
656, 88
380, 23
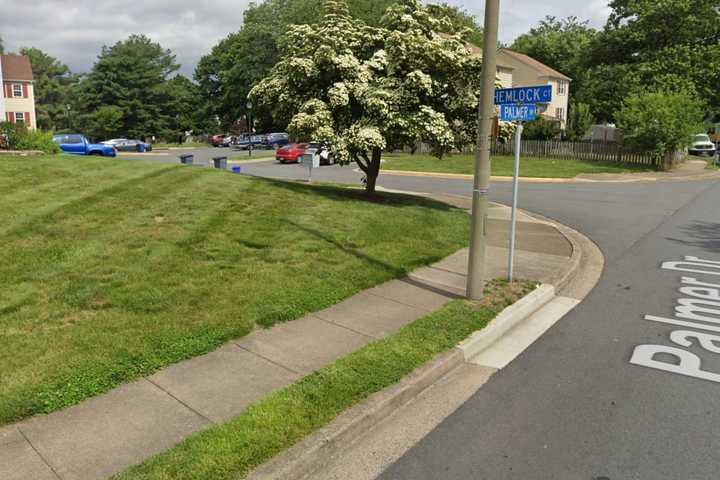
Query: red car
290, 153
217, 140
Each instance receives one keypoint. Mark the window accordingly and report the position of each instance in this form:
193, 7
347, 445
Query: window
560, 113
19, 117
17, 90
562, 87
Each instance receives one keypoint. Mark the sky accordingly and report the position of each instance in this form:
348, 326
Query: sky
74, 31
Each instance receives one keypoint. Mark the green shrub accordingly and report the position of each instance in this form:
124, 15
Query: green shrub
541, 129
20, 138
579, 121
660, 121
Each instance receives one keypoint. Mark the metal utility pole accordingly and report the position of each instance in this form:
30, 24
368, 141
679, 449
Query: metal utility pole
481, 184
513, 216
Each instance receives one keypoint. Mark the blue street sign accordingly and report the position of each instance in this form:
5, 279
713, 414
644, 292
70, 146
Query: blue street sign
517, 113
541, 94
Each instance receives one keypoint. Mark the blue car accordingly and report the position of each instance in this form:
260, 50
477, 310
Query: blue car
276, 140
79, 145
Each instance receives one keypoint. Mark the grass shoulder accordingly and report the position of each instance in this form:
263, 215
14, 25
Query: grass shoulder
232, 450
503, 165
114, 269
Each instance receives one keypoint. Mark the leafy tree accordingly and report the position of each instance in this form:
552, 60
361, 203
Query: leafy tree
661, 121
579, 121
242, 59
184, 97
226, 75
104, 123
53, 88
652, 45
456, 20
559, 43
132, 75
361, 88
2, 46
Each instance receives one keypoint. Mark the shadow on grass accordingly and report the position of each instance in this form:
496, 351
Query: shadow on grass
394, 270
705, 235
345, 194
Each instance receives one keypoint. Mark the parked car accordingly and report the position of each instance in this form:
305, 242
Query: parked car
217, 140
290, 153
702, 145
276, 140
258, 142
125, 145
79, 145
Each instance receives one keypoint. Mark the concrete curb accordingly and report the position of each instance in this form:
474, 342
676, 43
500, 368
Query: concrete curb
21, 153
311, 454
306, 457
459, 176
506, 320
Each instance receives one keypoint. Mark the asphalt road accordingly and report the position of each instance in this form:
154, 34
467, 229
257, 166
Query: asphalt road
572, 406
203, 156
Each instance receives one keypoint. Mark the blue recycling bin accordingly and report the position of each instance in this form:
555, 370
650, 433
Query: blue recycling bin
236, 169
186, 159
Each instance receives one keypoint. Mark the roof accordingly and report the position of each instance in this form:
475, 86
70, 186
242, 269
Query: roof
539, 66
477, 51
16, 67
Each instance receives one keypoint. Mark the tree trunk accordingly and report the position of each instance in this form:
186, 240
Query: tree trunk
373, 171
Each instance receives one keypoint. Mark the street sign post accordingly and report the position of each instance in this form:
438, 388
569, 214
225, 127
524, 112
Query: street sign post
519, 105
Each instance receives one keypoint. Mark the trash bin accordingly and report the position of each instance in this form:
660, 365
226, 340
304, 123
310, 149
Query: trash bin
186, 159
220, 162
236, 169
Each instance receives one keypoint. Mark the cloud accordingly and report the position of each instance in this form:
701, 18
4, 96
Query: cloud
75, 31
518, 16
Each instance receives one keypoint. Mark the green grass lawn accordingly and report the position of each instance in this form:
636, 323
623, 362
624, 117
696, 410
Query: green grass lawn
503, 166
232, 450
112, 269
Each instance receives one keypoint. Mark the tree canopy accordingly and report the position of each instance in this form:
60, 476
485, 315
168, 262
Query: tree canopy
561, 44
243, 58
134, 77
53, 88
360, 88
645, 44
648, 45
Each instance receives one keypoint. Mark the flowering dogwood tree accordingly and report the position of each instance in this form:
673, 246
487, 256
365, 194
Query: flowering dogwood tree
360, 88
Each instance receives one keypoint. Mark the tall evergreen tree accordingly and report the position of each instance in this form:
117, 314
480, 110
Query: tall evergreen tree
132, 75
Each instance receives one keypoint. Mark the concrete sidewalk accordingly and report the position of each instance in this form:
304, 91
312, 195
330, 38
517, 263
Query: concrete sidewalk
111, 432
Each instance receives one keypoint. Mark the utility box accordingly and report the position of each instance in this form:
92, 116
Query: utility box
311, 158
